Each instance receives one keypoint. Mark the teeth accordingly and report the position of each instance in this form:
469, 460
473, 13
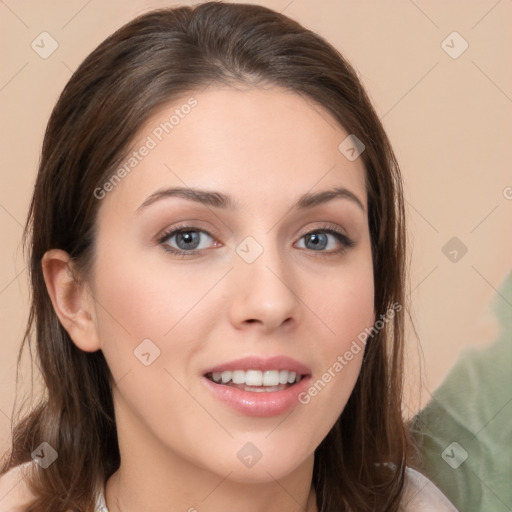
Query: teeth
238, 377
283, 376
257, 377
271, 378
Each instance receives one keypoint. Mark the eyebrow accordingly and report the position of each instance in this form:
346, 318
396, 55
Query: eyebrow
224, 201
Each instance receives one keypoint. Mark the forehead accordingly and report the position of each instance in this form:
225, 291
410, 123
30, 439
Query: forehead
257, 145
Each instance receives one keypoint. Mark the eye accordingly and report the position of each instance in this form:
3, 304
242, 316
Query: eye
188, 240
318, 241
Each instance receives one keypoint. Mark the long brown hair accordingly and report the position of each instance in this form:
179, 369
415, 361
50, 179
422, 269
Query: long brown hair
142, 66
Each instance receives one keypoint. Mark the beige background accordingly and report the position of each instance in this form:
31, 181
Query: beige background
450, 121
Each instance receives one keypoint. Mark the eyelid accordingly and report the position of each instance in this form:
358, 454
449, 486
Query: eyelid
192, 226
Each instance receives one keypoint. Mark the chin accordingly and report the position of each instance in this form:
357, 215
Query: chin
251, 466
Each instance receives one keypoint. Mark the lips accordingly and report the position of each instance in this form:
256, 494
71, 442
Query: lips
261, 400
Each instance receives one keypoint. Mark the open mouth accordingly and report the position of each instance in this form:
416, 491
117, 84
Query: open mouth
256, 380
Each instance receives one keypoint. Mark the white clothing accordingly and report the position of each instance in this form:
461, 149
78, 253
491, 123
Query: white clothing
420, 495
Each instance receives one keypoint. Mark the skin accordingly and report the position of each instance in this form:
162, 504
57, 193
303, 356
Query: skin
15, 494
178, 443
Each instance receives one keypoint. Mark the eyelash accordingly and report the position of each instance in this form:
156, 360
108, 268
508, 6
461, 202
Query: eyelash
346, 242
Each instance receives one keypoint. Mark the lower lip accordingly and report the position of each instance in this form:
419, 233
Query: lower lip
265, 403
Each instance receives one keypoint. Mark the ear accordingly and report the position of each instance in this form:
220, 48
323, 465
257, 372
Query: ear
72, 301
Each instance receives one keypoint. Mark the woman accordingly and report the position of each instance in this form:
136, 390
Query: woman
217, 249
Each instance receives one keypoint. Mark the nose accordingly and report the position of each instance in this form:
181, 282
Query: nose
263, 293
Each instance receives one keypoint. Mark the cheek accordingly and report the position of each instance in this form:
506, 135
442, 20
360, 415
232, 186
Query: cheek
150, 325
348, 307
344, 303
136, 302
344, 307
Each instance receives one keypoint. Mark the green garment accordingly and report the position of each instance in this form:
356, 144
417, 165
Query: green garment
465, 431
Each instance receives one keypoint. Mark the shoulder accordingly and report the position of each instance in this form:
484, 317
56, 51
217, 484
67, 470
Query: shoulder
422, 495
15, 493
100, 502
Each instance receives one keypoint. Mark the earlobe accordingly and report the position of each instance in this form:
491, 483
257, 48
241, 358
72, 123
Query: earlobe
71, 301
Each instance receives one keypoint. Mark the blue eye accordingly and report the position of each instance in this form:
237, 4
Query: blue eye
187, 238
186, 241
318, 239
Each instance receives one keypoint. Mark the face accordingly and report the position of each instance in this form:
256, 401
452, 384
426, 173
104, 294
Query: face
250, 284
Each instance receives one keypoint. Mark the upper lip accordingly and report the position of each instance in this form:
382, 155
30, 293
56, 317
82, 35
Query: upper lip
263, 364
